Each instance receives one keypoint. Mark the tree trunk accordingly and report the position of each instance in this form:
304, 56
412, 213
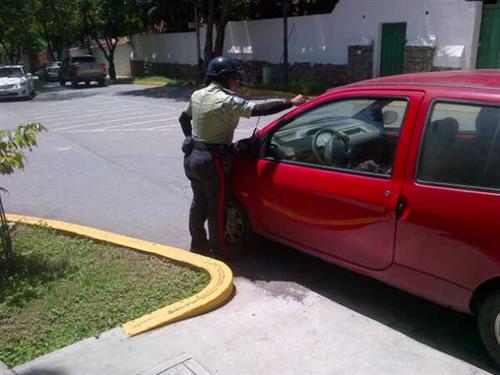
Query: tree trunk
220, 28
208, 50
111, 69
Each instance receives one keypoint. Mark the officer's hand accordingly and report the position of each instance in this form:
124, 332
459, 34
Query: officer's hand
298, 100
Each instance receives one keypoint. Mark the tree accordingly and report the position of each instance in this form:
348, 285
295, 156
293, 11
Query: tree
12, 142
17, 28
108, 20
59, 24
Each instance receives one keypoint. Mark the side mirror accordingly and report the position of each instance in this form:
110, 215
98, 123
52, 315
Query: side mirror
248, 146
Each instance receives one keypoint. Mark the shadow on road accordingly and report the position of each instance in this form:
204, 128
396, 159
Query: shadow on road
435, 326
182, 93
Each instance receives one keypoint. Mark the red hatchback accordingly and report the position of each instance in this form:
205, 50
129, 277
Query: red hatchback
397, 178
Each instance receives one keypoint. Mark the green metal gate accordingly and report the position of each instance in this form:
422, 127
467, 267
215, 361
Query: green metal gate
488, 55
392, 51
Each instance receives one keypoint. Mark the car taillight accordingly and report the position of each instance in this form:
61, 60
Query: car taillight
103, 67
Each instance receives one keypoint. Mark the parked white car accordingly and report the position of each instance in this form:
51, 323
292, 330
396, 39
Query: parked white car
15, 82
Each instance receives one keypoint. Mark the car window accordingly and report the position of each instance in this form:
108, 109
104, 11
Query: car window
11, 72
359, 134
83, 59
461, 146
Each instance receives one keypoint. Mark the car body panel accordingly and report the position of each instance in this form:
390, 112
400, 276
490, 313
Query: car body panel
81, 68
444, 245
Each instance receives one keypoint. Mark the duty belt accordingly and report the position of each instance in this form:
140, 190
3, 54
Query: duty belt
202, 146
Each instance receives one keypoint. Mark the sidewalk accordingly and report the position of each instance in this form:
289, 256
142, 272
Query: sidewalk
275, 328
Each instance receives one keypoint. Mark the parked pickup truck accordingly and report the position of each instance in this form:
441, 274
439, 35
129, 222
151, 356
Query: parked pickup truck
77, 69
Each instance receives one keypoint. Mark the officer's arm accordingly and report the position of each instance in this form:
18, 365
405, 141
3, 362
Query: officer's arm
271, 106
186, 126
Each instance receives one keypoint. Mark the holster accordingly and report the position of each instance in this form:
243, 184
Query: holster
187, 146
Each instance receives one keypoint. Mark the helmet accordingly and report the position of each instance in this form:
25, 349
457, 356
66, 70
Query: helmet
222, 65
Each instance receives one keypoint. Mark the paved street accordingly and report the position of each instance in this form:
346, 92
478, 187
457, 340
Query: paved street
111, 159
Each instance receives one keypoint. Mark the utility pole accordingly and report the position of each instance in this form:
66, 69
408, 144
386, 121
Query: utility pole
285, 41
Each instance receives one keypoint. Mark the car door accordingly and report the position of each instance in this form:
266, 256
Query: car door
340, 206
451, 197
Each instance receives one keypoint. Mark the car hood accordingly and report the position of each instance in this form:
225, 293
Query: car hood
10, 81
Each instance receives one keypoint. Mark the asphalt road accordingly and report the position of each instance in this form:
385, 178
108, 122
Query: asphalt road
111, 159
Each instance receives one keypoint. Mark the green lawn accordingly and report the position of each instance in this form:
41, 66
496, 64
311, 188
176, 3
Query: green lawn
159, 80
62, 289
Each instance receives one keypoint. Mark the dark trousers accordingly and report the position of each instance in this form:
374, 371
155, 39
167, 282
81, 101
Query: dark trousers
203, 167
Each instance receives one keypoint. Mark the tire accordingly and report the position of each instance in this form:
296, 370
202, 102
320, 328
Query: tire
87, 83
62, 83
489, 324
101, 82
74, 83
239, 235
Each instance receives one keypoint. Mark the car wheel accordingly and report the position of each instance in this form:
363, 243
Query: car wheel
239, 234
62, 83
101, 82
74, 83
87, 83
489, 324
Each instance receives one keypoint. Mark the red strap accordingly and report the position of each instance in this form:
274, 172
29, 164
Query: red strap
220, 171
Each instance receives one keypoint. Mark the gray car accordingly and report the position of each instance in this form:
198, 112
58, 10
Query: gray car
84, 68
15, 82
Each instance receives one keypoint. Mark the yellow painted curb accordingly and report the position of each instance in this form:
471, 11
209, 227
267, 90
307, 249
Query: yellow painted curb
218, 290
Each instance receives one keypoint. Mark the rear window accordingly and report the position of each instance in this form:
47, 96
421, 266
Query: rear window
462, 146
83, 59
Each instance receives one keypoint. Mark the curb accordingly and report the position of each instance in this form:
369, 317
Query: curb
218, 290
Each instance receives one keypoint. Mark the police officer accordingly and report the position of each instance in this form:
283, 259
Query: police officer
208, 123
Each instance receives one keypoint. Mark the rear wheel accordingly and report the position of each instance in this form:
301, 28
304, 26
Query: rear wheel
101, 82
489, 324
62, 83
74, 82
87, 83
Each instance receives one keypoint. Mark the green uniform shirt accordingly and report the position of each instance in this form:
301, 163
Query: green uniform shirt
215, 113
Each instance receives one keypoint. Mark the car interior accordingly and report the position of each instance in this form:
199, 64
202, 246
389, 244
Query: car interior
462, 152
364, 141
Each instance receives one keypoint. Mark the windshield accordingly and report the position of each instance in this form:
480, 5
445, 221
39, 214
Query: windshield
83, 59
11, 72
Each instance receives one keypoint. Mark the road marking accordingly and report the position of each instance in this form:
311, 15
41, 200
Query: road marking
102, 108
106, 122
138, 123
113, 130
149, 104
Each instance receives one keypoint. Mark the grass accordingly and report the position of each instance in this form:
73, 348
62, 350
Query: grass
304, 87
60, 289
161, 80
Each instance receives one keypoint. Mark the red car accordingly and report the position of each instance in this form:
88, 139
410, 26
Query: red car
397, 178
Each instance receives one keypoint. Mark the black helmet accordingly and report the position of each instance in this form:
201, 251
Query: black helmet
222, 65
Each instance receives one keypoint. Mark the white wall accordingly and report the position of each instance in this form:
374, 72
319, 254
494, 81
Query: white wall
121, 59
177, 48
452, 26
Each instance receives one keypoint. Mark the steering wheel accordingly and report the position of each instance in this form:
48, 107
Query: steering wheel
335, 146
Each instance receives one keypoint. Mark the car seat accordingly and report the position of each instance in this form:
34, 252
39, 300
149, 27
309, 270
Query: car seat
436, 155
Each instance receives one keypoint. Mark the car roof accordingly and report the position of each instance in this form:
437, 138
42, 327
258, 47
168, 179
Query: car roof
486, 79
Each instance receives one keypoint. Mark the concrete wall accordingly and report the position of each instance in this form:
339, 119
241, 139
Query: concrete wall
170, 48
451, 26
343, 46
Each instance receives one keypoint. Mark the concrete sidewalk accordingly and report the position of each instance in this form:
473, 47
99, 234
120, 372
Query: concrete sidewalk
303, 333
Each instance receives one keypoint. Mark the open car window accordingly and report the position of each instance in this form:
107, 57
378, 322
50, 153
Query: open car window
358, 134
